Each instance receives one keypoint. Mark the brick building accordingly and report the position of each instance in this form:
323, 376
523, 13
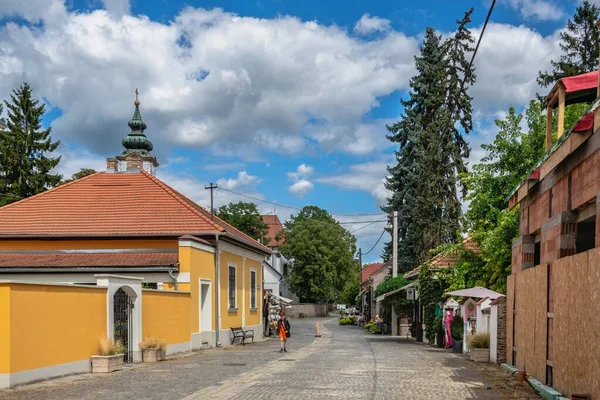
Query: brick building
551, 307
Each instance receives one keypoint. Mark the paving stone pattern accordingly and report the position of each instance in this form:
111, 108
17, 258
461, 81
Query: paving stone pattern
346, 362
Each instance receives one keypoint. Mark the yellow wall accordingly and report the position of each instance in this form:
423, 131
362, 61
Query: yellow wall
87, 244
166, 315
4, 328
229, 318
253, 317
51, 325
201, 265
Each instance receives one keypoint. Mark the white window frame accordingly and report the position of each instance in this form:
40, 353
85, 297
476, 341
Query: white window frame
254, 289
229, 266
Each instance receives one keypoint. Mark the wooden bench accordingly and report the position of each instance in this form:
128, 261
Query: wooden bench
239, 333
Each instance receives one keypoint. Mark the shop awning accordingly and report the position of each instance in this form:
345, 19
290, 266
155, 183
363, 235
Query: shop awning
280, 298
478, 292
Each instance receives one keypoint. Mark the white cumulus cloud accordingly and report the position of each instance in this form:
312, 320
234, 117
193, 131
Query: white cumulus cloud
368, 24
208, 79
301, 185
543, 10
116, 7
366, 177
243, 179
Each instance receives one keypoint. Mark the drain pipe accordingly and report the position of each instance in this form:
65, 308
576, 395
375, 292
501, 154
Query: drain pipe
217, 286
170, 272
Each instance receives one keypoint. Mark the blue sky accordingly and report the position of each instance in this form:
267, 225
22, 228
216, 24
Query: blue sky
284, 101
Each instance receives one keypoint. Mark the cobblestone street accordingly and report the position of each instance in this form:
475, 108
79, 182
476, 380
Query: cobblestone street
346, 362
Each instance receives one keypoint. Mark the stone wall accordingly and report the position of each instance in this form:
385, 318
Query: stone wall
308, 310
501, 350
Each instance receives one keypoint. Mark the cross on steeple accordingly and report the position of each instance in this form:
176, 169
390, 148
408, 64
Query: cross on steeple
137, 101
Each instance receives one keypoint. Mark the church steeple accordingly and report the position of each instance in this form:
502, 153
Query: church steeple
136, 155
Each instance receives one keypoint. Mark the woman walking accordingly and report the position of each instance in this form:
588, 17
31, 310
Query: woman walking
283, 327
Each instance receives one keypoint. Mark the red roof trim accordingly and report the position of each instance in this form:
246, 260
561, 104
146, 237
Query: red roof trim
88, 260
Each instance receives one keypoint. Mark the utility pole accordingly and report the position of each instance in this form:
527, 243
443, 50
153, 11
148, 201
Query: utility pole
211, 187
360, 279
395, 268
395, 246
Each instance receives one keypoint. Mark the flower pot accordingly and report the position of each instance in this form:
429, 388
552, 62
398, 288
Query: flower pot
153, 355
107, 363
457, 346
480, 355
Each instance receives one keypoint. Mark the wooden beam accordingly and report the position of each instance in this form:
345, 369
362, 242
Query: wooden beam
561, 111
549, 127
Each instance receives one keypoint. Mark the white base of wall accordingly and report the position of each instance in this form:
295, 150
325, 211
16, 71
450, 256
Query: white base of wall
18, 378
178, 348
196, 340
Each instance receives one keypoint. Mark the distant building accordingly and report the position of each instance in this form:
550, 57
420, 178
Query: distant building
276, 266
371, 276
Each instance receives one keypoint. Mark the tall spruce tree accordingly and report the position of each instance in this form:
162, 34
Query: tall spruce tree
580, 45
432, 149
25, 164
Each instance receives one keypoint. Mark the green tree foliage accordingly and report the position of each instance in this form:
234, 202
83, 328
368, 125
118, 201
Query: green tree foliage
580, 46
322, 252
83, 172
509, 158
390, 284
431, 147
25, 149
431, 290
245, 217
351, 287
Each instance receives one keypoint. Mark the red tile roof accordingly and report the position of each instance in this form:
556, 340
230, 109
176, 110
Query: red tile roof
369, 270
88, 260
113, 204
275, 229
445, 259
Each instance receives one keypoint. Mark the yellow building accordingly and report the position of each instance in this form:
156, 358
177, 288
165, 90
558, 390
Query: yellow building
119, 254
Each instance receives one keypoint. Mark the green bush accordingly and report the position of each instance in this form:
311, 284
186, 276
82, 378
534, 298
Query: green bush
369, 325
373, 328
348, 321
457, 327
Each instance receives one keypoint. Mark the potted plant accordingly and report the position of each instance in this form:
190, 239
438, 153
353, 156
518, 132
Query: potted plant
153, 349
110, 356
456, 330
479, 345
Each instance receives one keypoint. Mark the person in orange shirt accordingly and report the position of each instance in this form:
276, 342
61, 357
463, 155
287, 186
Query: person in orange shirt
283, 328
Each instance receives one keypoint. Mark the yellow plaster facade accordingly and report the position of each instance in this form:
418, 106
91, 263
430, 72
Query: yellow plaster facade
71, 318
166, 315
33, 316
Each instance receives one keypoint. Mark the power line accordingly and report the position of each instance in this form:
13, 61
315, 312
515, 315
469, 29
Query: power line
297, 208
364, 254
344, 223
372, 222
462, 84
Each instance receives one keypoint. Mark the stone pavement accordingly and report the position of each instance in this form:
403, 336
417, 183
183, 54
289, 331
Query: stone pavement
346, 362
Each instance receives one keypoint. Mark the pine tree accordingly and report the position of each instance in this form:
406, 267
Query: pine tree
580, 45
25, 149
432, 149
